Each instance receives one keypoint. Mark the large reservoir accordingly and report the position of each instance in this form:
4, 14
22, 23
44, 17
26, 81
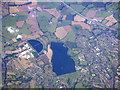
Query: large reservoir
61, 62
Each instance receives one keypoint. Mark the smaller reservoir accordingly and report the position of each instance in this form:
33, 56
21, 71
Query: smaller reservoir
37, 45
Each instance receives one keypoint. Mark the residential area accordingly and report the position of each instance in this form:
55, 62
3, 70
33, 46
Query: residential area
35, 33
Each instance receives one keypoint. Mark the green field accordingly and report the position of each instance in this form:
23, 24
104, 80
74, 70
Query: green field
78, 8
25, 29
70, 37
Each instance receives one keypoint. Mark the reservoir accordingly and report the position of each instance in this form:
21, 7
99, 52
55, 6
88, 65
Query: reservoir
36, 45
61, 62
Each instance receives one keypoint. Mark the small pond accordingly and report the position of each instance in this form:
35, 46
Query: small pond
37, 45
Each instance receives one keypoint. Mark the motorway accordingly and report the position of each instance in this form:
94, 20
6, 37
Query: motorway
93, 21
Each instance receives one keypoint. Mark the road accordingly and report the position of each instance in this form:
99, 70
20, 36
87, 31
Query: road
74, 10
89, 19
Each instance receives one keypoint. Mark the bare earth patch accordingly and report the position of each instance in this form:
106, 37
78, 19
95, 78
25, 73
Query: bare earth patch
61, 32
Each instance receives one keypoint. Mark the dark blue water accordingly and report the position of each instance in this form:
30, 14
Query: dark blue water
62, 63
36, 45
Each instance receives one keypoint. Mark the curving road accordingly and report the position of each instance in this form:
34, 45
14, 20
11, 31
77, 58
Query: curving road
93, 21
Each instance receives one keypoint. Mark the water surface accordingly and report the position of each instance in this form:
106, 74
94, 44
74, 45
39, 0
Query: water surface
62, 63
37, 45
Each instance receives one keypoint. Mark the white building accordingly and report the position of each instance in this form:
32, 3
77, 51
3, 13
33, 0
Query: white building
12, 30
19, 37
